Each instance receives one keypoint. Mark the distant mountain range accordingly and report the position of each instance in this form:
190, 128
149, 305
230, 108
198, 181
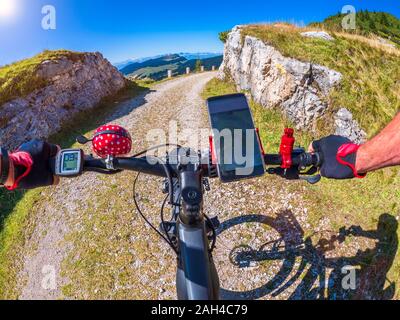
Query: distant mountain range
188, 56
156, 68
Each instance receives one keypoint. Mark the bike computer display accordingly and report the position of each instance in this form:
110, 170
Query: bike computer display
69, 163
235, 140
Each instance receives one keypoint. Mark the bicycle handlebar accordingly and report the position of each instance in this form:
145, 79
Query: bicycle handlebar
300, 160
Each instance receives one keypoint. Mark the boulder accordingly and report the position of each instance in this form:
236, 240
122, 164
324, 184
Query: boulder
386, 43
346, 126
318, 34
299, 89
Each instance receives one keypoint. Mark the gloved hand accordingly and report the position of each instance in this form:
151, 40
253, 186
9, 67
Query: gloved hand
338, 156
32, 166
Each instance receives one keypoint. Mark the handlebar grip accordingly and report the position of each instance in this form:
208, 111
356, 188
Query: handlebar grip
309, 160
299, 160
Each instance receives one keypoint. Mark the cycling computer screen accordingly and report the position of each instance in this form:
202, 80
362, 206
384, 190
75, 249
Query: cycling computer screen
69, 163
236, 144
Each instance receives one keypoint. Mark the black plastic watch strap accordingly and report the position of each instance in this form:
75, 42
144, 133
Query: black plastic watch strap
5, 166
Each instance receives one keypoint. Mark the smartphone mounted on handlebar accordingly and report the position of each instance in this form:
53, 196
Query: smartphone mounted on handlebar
235, 143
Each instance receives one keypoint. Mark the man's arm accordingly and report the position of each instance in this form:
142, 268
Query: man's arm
382, 151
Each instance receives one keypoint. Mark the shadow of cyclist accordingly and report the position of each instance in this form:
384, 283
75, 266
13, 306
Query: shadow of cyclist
374, 264
316, 276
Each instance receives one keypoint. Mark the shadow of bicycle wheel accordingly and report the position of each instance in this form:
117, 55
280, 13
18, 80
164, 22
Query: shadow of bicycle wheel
291, 236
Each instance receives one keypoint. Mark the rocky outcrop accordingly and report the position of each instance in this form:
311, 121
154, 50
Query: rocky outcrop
346, 126
318, 34
386, 43
299, 89
72, 86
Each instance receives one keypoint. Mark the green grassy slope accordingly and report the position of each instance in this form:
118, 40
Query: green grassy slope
20, 78
381, 24
153, 63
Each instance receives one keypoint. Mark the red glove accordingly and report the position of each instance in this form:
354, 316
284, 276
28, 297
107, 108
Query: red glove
30, 166
339, 156
19, 160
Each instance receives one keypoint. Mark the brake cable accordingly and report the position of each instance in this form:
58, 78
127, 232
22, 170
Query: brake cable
213, 231
163, 224
155, 148
165, 166
167, 240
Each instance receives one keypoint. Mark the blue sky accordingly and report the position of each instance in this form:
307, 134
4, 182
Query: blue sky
123, 29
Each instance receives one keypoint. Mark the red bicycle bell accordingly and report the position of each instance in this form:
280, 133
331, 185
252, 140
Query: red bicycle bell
111, 140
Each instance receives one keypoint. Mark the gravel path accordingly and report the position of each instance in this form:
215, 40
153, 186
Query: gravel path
89, 242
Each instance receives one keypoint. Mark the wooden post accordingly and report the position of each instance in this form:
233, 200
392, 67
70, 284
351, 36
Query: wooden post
202, 68
169, 73
213, 68
187, 70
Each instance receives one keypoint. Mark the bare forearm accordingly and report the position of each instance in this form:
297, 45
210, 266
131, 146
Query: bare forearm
10, 180
382, 151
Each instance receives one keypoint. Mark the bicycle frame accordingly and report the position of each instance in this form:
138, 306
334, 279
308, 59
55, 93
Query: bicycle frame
196, 277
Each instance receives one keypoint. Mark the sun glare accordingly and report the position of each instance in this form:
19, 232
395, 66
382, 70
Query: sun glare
7, 8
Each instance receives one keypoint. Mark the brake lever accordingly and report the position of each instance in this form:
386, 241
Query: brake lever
310, 176
312, 179
82, 139
294, 174
289, 174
